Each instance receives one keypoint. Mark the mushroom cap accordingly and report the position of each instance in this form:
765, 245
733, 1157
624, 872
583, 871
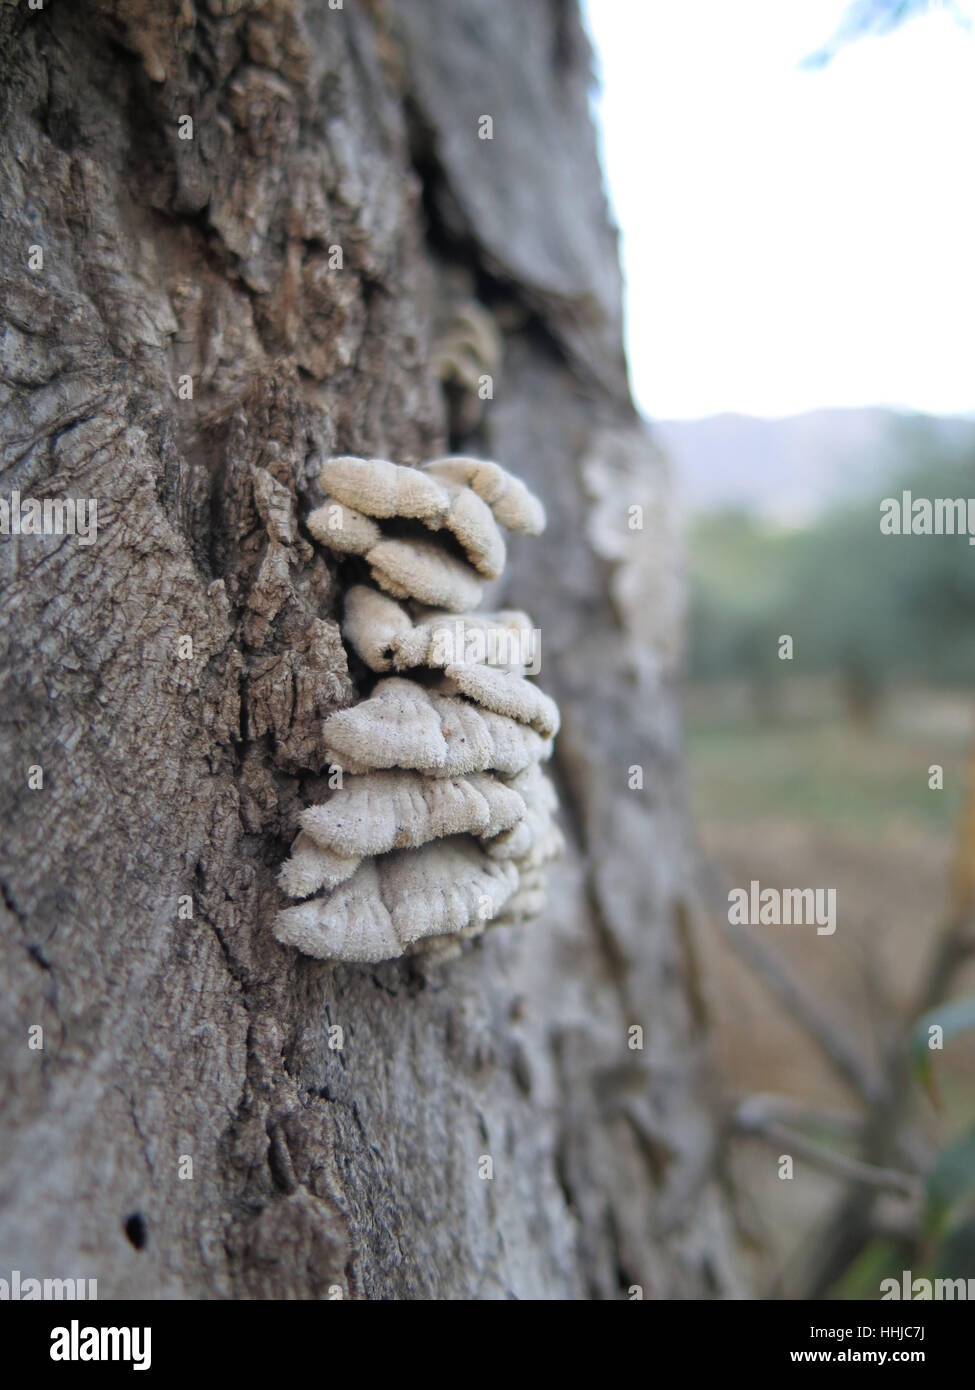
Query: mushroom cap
460, 363
513, 505
311, 867
479, 638
405, 566
381, 811
504, 692
375, 624
437, 950
535, 839
473, 333
423, 570
404, 724
342, 528
471, 502
385, 636
472, 522
380, 488
526, 903
390, 902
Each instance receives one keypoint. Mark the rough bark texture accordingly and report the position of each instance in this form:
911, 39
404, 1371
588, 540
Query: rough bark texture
169, 778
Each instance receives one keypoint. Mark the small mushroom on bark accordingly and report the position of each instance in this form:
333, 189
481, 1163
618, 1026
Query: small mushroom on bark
381, 811
405, 724
392, 901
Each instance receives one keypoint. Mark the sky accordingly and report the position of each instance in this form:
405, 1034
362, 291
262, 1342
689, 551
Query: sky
791, 239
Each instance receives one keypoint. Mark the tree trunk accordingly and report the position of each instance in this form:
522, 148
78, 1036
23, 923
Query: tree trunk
194, 1126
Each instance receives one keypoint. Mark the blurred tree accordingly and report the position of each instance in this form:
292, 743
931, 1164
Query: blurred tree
873, 18
869, 608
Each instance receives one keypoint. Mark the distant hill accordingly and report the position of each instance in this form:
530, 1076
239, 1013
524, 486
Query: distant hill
789, 469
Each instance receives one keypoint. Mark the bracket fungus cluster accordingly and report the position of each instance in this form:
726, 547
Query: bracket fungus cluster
444, 820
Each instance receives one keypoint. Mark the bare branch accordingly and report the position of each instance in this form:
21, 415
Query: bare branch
772, 1131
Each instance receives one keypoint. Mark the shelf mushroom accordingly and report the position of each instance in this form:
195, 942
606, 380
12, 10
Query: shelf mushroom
443, 819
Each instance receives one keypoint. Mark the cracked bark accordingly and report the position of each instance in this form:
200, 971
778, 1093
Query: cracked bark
171, 779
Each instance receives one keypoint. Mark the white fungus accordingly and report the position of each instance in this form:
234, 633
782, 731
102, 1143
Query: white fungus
422, 570
392, 901
380, 811
505, 693
311, 867
443, 819
386, 637
470, 348
376, 488
344, 529
514, 507
405, 724
380, 488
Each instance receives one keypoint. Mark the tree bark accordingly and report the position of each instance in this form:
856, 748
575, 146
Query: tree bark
174, 771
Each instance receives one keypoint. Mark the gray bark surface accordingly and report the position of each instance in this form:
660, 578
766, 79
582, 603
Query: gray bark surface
167, 779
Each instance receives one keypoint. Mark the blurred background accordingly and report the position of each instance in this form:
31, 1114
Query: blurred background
792, 180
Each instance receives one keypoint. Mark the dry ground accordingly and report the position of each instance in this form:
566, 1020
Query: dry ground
814, 802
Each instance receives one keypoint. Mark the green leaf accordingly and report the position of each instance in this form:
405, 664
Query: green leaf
953, 1018
955, 1257
951, 1179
